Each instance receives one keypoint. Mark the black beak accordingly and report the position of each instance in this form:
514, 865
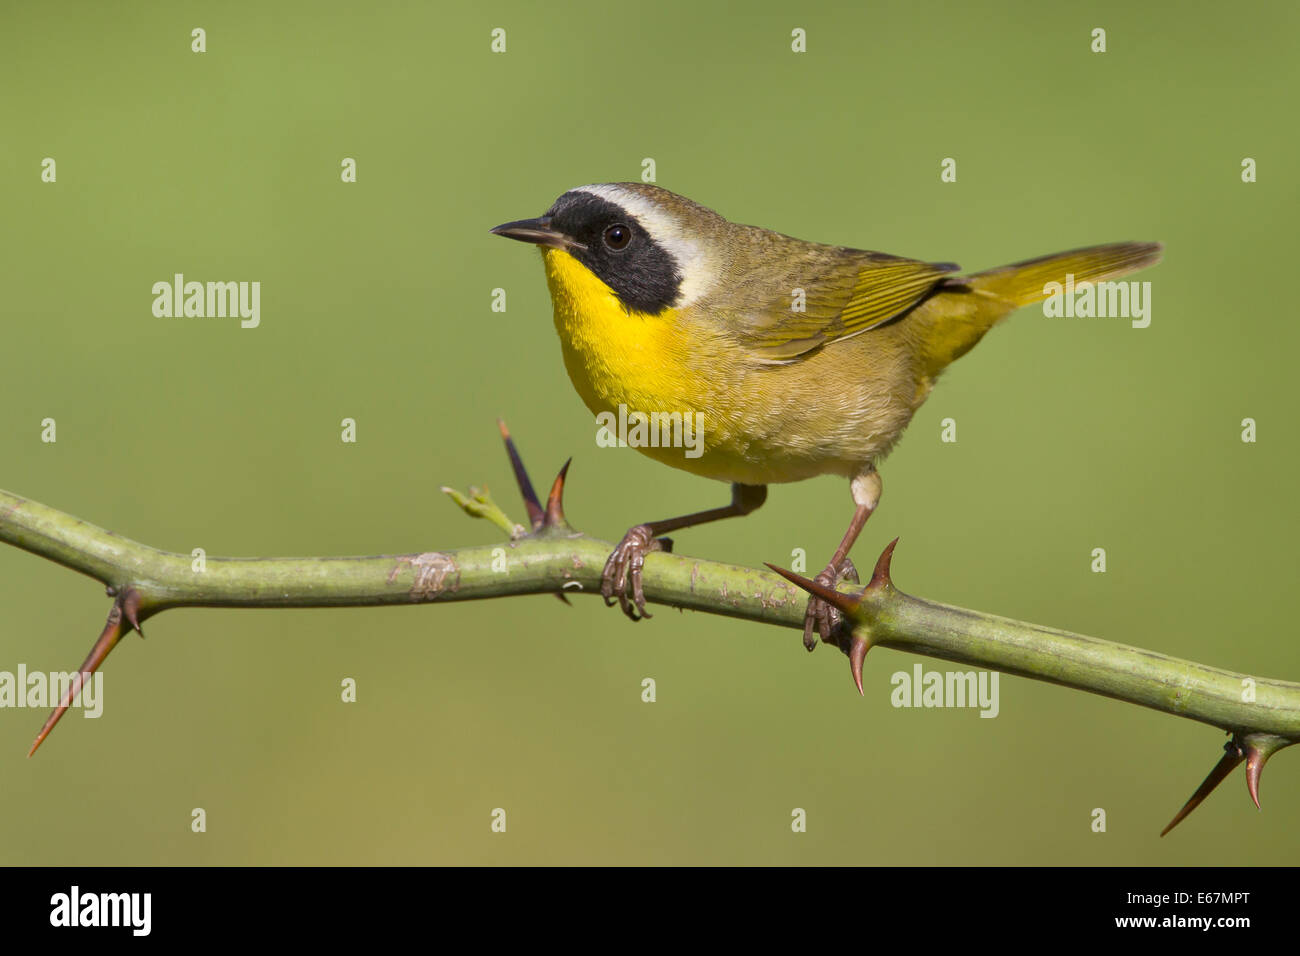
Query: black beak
537, 231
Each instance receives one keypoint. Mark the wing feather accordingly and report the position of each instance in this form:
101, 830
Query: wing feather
845, 292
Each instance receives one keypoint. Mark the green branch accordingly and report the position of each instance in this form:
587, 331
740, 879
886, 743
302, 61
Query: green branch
1262, 715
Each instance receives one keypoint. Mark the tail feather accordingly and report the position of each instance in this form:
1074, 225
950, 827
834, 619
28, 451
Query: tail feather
968, 306
1021, 283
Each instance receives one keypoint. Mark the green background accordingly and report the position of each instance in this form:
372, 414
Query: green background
1073, 433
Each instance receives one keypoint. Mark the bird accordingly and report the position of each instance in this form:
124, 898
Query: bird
797, 358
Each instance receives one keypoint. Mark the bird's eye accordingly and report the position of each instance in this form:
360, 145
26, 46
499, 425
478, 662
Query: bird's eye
618, 236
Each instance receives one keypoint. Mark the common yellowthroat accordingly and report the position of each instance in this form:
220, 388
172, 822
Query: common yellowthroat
802, 359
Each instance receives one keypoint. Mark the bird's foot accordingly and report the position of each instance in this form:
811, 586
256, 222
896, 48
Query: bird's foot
823, 619
622, 576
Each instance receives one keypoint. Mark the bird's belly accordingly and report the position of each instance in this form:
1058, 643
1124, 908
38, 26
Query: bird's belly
682, 394
763, 426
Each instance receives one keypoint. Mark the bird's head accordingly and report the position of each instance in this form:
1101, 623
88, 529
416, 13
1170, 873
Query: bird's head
652, 249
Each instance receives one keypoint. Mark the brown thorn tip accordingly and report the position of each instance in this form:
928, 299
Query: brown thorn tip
846, 603
555, 500
1232, 756
131, 607
857, 654
1255, 759
563, 597
536, 516
106, 641
880, 576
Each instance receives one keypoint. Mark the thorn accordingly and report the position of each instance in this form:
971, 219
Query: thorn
1259, 747
1233, 755
564, 598
536, 516
880, 577
131, 606
1254, 769
555, 500
846, 603
107, 640
857, 654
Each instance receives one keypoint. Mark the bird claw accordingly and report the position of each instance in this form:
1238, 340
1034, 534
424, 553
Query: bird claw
826, 620
621, 578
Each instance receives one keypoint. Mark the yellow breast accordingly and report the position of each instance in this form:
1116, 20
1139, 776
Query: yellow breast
761, 424
615, 357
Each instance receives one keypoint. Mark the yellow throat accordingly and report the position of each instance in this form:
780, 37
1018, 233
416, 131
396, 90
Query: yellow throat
615, 356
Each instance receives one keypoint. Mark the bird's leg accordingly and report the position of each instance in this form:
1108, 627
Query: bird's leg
820, 616
623, 569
